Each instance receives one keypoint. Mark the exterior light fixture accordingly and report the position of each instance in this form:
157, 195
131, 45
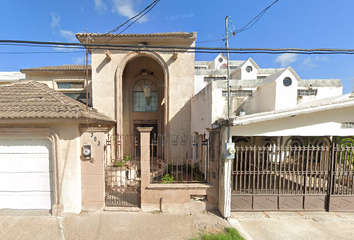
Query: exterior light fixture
147, 91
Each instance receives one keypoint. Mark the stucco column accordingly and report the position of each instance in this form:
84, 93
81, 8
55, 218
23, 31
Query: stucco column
144, 161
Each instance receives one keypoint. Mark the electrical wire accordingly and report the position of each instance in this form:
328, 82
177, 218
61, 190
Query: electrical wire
171, 49
150, 8
152, 5
255, 19
246, 27
138, 16
14, 53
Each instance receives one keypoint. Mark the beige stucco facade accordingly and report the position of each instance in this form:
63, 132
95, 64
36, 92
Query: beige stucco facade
114, 77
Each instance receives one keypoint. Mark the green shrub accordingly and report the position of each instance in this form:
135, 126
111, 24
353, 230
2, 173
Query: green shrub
167, 179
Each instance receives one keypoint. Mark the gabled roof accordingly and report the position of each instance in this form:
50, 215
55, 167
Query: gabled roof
58, 68
316, 105
274, 77
240, 66
33, 100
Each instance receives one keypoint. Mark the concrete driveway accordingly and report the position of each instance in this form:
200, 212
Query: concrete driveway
294, 225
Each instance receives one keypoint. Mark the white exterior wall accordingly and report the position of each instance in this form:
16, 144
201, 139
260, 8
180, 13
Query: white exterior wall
199, 83
324, 123
207, 107
322, 92
265, 97
286, 97
248, 75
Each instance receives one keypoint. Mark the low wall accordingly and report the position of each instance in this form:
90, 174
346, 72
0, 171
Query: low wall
175, 197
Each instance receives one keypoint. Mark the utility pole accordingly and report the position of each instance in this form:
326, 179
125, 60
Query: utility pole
228, 77
87, 71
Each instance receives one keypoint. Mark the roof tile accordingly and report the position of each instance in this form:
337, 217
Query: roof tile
36, 100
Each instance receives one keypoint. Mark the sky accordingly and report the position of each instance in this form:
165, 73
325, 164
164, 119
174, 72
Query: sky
287, 24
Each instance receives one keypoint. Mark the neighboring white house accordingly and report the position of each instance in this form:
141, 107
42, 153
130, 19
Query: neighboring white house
294, 144
252, 90
11, 77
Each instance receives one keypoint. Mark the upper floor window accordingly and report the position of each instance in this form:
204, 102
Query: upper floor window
208, 79
287, 82
68, 85
238, 93
307, 92
145, 97
249, 69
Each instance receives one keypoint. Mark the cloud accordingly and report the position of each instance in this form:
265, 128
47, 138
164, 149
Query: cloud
55, 25
100, 6
55, 21
126, 8
313, 62
69, 35
81, 60
285, 59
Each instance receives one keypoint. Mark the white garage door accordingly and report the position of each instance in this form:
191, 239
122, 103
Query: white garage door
25, 173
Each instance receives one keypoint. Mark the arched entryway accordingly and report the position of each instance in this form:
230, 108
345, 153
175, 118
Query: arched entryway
143, 93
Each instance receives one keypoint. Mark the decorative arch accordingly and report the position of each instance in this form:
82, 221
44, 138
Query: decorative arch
119, 84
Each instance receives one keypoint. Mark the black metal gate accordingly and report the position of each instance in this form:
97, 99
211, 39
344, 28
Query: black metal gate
122, 172
293, 173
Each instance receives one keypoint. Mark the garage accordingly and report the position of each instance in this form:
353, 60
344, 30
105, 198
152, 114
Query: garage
26, 172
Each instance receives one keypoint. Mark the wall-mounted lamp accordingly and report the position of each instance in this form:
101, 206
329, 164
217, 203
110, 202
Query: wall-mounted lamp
147, 91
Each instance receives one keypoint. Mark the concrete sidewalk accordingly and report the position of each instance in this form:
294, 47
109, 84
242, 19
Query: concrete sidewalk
293, 225
38, 224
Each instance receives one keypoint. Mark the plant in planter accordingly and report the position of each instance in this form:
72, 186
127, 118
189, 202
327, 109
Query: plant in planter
123, 162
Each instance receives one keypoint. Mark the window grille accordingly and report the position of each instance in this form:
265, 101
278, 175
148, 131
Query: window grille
238, 93
208, 79
307, 92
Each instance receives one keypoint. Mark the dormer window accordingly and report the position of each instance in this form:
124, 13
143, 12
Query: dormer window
287, 81
249, 69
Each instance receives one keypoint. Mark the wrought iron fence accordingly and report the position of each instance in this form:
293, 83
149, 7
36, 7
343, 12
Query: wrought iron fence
179, 158
314, 173
122, 171
343, 174
296, 166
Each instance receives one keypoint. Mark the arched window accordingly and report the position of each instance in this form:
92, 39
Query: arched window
145, 96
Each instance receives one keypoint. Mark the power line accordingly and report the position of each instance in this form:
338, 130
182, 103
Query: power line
248, 25
255, 19
51, 52
150, 8
166, 48
138, 16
